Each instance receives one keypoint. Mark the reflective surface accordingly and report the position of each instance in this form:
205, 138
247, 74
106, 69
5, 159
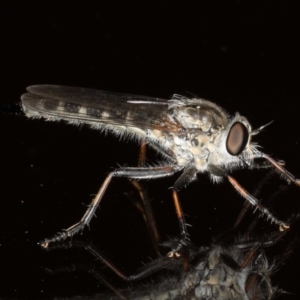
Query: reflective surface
46, 168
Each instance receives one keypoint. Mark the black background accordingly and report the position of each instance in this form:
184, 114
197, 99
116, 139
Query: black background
239, 54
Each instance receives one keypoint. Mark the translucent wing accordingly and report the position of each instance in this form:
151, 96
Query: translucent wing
89, 105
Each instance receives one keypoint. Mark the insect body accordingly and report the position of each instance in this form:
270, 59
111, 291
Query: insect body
190, 133
193, 135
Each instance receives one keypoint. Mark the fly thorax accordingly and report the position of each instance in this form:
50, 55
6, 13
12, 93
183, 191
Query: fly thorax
194, 117
182, 147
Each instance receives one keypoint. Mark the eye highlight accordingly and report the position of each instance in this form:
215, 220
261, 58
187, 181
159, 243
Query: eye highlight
237, 139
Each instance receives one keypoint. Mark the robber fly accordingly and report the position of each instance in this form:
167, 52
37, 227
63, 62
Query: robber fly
193, 135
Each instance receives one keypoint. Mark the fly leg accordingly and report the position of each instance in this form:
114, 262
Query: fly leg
217, 171
148, 269
135, 173
152, 229
175, 252
143, 204
145, 207
255, 193
278, 166
188, 176
253, 201
183, 180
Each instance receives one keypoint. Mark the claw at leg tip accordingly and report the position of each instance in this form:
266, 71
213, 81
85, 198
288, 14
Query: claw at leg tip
283, 227
44, 245
173, 254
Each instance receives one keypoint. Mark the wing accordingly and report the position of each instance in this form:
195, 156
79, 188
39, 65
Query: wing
90, 106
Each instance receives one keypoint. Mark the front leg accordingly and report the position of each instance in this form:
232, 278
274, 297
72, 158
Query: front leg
220, 172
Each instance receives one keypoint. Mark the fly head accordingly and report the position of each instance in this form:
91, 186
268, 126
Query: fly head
232, 148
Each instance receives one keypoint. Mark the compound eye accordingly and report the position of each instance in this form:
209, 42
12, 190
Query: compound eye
237, 139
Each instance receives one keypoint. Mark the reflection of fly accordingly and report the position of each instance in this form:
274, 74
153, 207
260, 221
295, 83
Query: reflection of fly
215, 273
193, 135
240, 271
